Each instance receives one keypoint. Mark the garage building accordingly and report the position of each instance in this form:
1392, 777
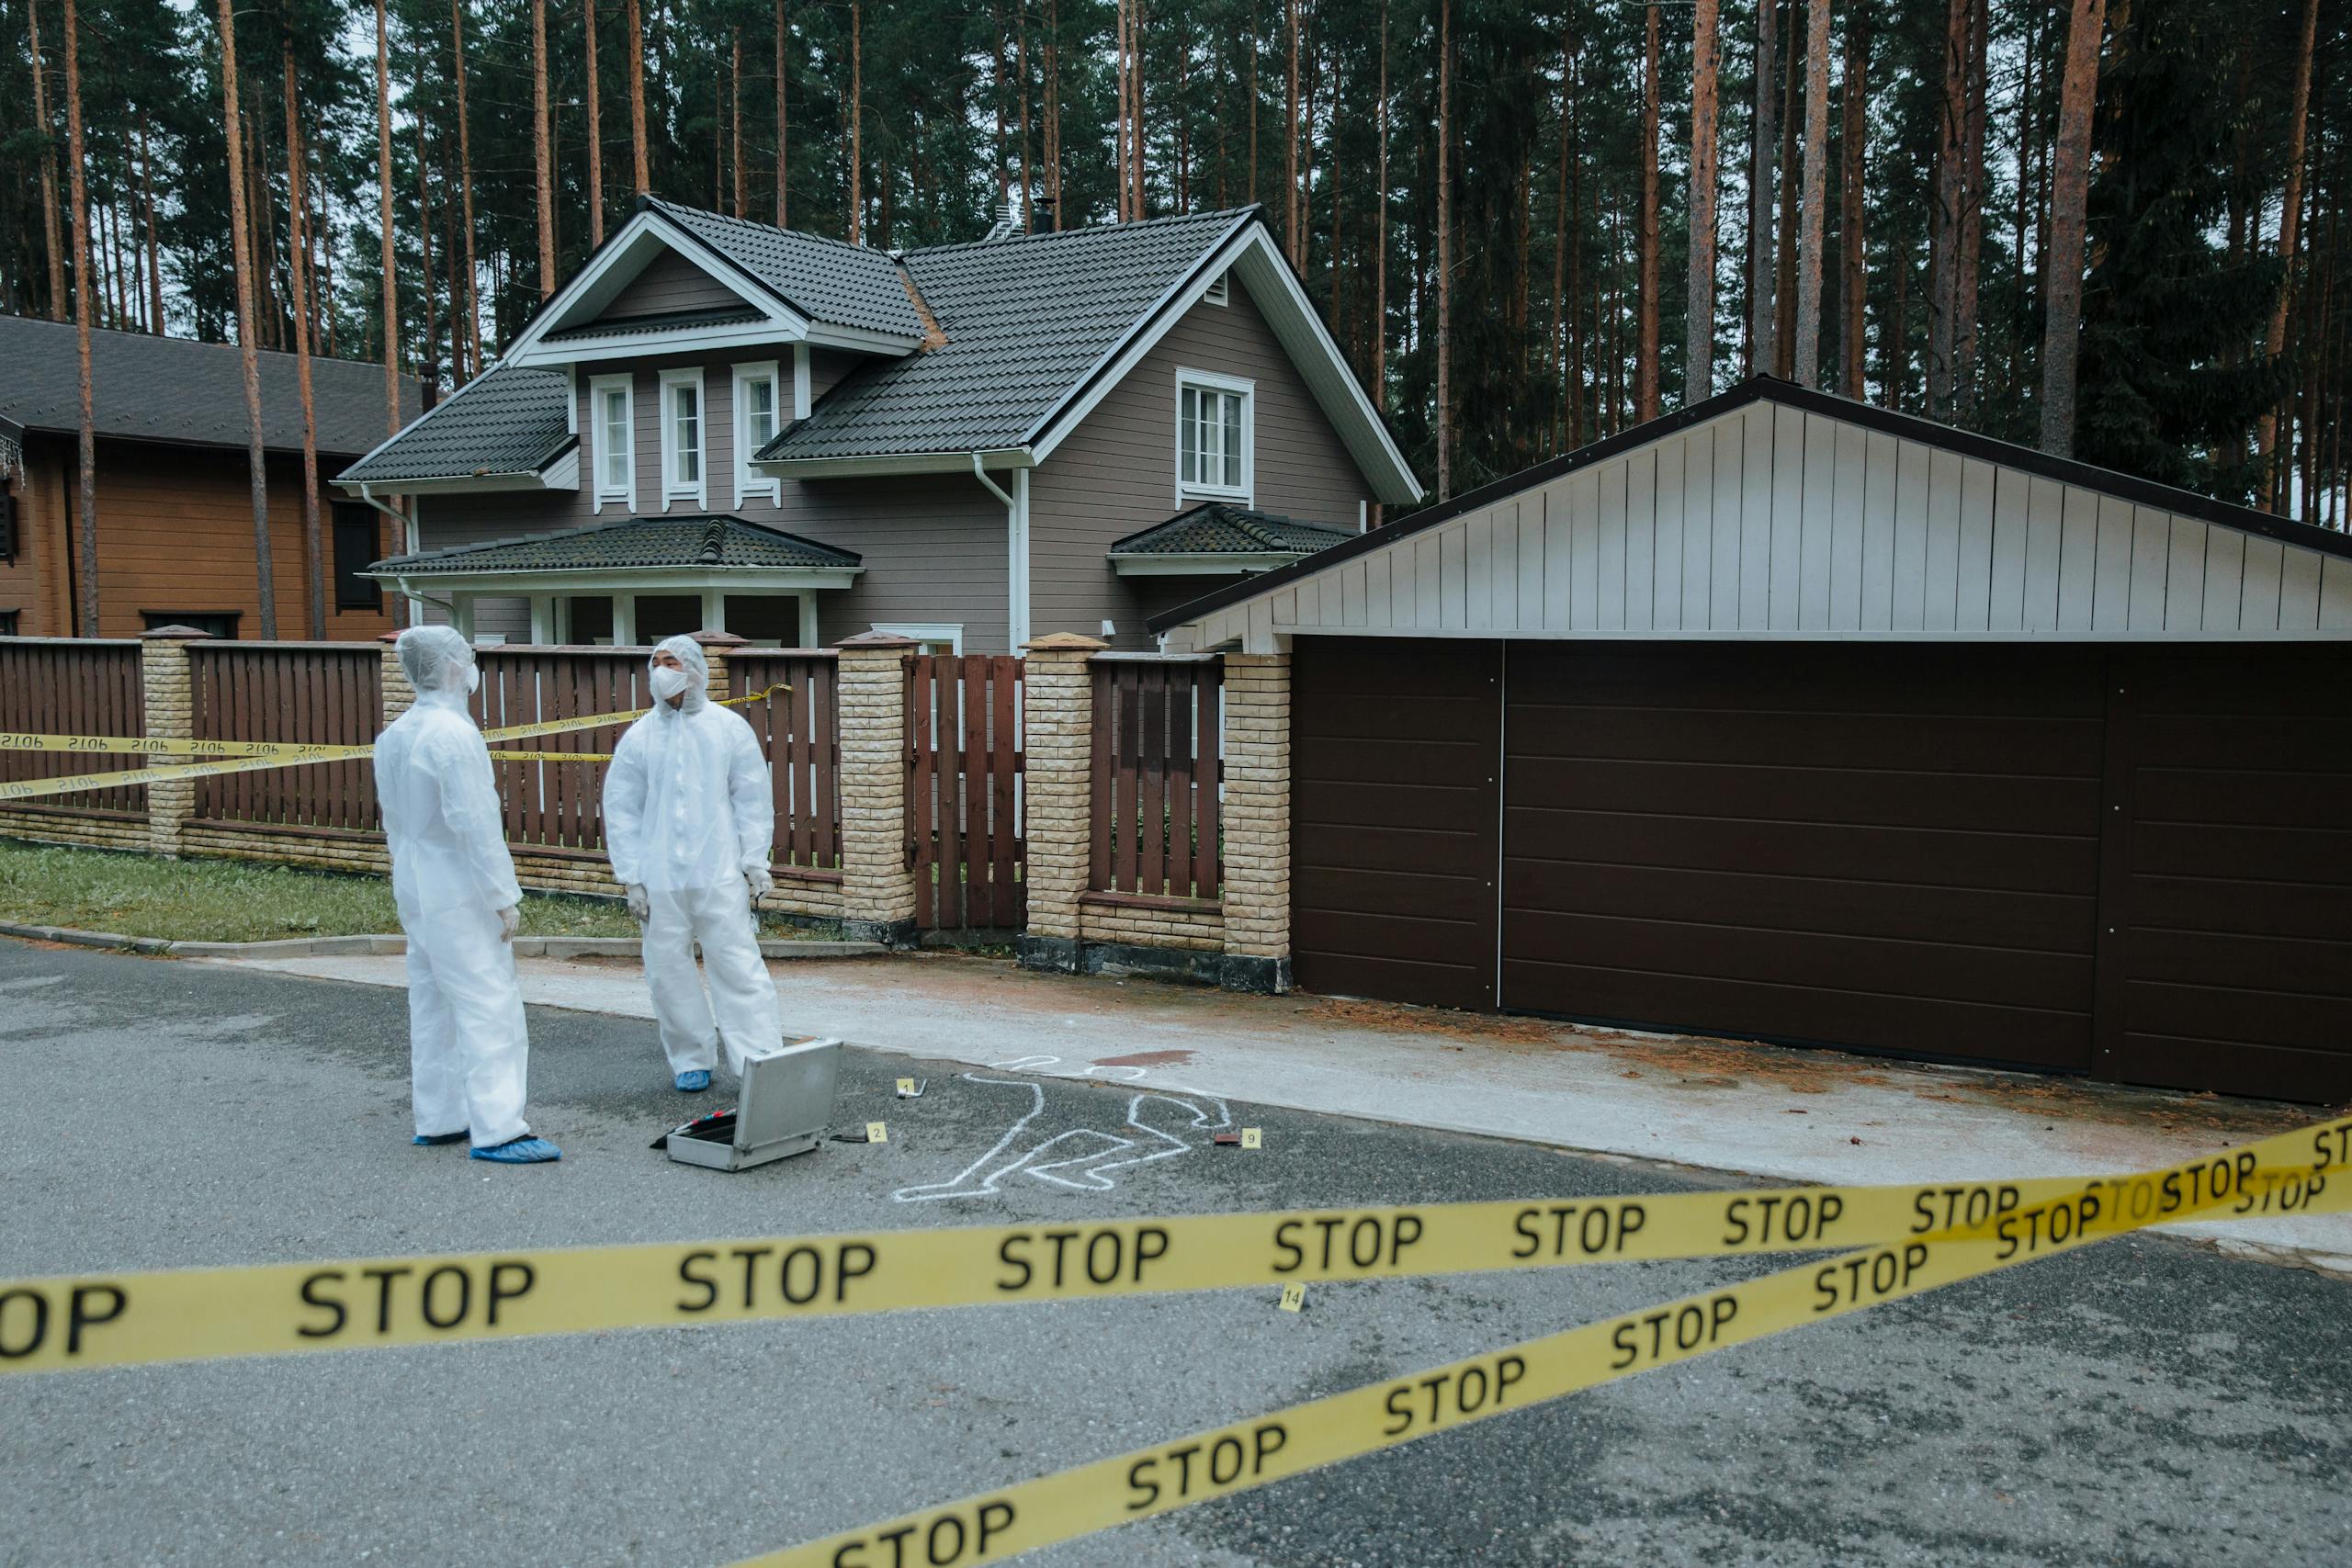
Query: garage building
1790, 718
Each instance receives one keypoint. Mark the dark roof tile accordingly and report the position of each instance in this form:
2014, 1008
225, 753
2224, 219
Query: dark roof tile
503, 421
630, 542
826, 280
1215, 527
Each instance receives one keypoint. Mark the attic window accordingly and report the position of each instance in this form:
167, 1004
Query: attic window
1213, 436
1216, 290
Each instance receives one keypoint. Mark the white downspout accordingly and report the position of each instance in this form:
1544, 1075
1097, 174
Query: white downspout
1016, 531
409, 536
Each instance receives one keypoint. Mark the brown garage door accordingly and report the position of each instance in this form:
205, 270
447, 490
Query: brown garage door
1392, 754
2229, 891
1893, 847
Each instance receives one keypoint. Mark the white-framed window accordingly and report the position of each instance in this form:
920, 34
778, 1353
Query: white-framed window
936, 637
612, 427
759, 413
1213, 435
685, 439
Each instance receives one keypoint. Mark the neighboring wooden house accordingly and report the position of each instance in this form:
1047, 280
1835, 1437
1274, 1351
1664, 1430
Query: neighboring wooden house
719, 424
175, 522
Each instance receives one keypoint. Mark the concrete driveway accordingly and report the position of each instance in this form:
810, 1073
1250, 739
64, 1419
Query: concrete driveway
2142, 1402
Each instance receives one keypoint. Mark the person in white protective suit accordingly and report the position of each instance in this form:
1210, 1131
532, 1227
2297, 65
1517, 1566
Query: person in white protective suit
688, 818
454, 884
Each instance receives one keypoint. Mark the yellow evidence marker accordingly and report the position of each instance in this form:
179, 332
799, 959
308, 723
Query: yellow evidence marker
876, 1132
1250, 1139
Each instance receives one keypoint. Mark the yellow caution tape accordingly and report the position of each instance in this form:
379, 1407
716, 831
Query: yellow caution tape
99, 1320
252, 756
991, 1526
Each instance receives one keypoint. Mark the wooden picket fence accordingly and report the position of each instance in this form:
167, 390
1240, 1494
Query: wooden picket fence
800, 727
327, 692
72, 686
964, 766
557, 805
1157, 771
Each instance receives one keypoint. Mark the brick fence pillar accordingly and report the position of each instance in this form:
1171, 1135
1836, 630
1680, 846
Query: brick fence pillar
878, 883
1256, 822
168, 696
715, 648
399, 695
1056, 793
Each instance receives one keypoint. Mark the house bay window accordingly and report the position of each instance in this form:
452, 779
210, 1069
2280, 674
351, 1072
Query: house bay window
759, 414
614, 429
683, 429
1213, 436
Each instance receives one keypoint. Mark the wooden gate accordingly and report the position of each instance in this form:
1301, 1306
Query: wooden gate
329, 693
963, 791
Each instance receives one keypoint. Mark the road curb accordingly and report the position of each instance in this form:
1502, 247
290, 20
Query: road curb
384, 946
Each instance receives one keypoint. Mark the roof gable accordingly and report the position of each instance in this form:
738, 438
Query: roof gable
1774, 509
508, 423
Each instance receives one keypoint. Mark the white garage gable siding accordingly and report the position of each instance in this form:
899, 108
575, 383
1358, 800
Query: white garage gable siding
1770, 520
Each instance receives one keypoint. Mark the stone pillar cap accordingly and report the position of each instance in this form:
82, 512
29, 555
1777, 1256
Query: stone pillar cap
388, 636
878, 640
721, 639
1065, 642
173, 634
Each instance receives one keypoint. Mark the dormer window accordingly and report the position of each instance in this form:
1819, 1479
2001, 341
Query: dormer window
682, 438
1213, 435
759, 414
613, 436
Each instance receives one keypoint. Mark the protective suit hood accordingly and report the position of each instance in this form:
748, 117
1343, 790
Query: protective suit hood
439, 663
688, 652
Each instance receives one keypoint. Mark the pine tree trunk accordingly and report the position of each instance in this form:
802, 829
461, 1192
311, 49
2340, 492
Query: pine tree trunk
1645, 232
1576, 262
1379, 378
1560, 219
1294, 228
248, 350
782, 136
1784, 284
1699, 352
154, 250
542, 152
297, 249
430, 368
1944, 222
2069, 190
857, 125
1856, 93
2289, 210
735, 110
596, 125
1021, 64
52, 244
1054, 109
384, 222
466, 189
1814, 225
1972, 219
633, 57
1444, 246
1762, 155
85, 301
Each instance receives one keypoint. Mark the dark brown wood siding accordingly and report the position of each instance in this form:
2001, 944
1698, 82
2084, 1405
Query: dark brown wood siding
2229, 884
1896, 850
1393, 756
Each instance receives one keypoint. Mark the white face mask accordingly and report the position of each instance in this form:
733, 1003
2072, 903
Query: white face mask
668, 683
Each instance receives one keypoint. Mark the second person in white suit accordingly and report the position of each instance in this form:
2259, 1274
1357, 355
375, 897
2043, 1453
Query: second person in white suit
689, 815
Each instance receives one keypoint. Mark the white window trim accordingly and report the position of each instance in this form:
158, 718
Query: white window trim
1211, 381
747, 480
626, 494
800, 380
949, 632
674, 489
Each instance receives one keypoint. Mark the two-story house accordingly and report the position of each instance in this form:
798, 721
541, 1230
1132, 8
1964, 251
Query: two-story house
716, 423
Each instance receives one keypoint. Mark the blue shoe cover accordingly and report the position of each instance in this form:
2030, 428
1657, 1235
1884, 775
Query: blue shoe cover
694, 1081
435, 1139
525, 1150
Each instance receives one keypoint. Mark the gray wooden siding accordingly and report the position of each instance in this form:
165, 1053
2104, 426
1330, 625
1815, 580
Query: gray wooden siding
1117, 473
1773, 521
671, 282
934, 545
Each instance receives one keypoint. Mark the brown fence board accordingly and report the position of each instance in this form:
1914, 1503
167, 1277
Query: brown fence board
80, 686
330, 693
964, 791
796, 728
1157, 775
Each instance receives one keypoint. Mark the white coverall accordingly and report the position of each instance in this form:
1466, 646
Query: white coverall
688, 813
468, 1051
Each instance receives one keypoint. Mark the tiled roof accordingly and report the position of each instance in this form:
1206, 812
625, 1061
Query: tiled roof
166, 389
667, 321
1026, 318
503, 421
1217, 528
826, 280
630, 542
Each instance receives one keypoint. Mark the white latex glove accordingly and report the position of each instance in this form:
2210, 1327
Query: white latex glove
639, 905
759, 882
510, 920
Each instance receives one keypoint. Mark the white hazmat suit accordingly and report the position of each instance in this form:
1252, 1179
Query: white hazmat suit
689, 817
454, 884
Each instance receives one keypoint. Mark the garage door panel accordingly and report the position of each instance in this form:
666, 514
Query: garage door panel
2066, 747
1393, 893
1740, 1010
1906, 911
2264, 1016
1379, 716
1883, 799
2210, 958
2276, 1072
2251, 909
1425, 851
1366, 805
2220, 794
2309, 744
1948, 971
2024, 863
2240, 852
1395, 980
1926, 678
1383, 761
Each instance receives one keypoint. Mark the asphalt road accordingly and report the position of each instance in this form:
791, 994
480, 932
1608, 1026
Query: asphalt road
2139, 1402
